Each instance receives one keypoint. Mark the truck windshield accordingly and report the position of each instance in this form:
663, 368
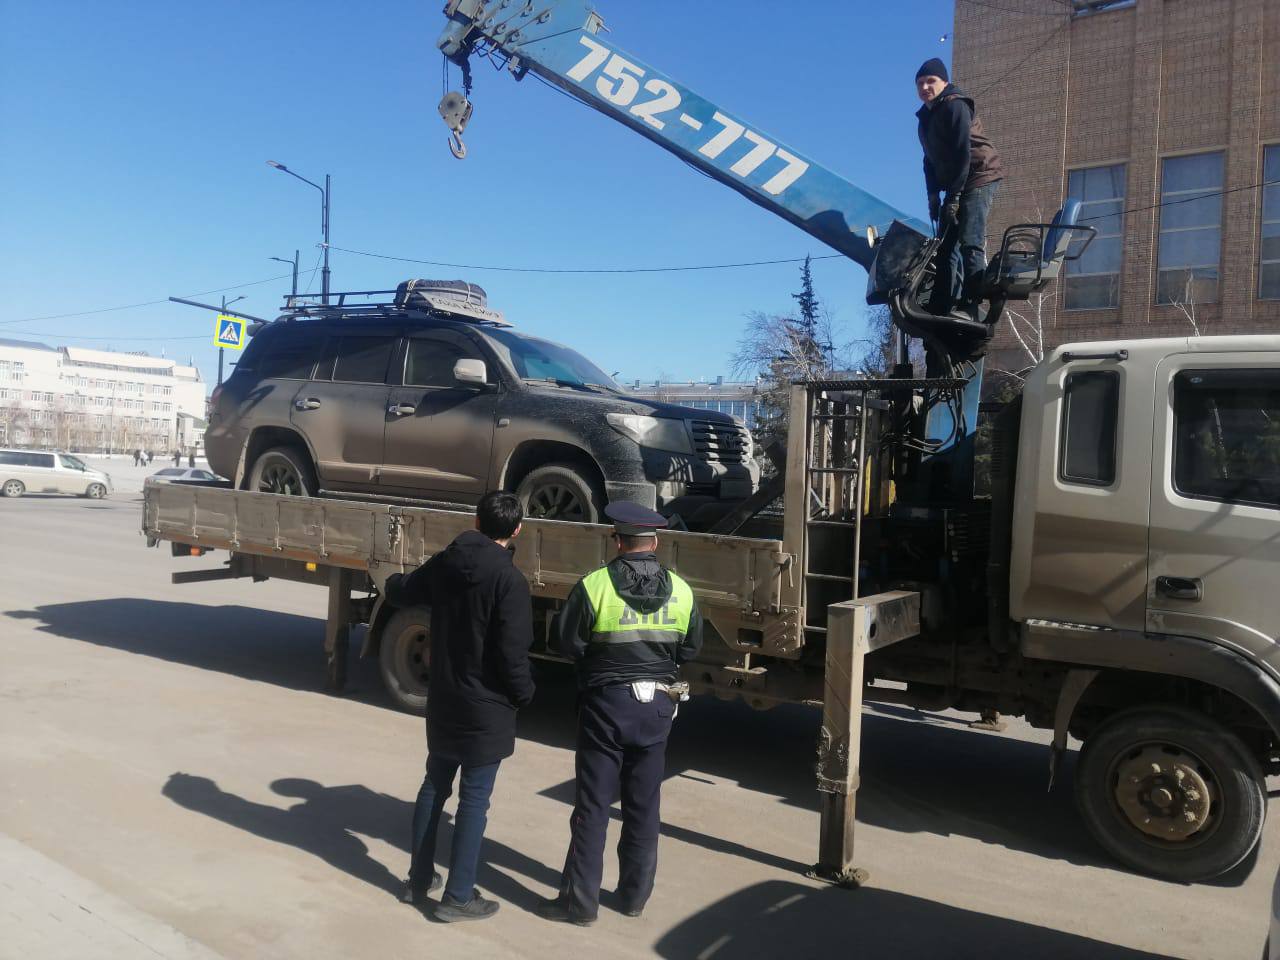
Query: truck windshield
534, 359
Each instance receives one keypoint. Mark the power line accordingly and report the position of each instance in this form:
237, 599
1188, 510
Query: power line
580, 270
1021, 63
148, 303
27, 334
1169, 203
1015, 11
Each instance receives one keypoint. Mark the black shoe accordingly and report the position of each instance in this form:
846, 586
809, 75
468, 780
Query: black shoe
559, 910
450, 910
416, 895
615, 901
632, 911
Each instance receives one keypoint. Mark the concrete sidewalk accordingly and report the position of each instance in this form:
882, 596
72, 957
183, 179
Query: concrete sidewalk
50, 913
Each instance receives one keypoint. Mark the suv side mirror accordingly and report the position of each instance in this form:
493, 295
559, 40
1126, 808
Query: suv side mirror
471, 371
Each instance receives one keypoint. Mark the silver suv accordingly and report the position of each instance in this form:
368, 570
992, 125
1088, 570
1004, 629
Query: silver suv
432, 396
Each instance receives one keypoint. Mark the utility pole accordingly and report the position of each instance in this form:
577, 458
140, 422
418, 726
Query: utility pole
324, 218
294, 261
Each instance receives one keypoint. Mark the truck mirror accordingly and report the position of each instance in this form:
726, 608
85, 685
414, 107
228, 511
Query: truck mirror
471, 371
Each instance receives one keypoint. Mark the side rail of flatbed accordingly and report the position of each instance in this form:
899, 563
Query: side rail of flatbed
742, 584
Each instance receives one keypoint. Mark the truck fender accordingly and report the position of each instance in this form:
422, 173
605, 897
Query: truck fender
1189, 657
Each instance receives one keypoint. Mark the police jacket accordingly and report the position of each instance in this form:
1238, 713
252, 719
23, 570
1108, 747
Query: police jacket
481, 631
958, 155
630, 620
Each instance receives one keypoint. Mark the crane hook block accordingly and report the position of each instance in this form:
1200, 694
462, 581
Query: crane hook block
455, 111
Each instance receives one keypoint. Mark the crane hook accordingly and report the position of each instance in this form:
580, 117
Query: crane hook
455, 111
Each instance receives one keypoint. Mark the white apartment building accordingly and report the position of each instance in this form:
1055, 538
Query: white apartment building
93, 401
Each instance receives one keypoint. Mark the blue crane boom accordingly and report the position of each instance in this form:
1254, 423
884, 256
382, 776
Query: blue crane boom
561, 41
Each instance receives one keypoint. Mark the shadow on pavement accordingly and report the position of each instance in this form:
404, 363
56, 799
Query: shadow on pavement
326, 824
935, 776
781, 919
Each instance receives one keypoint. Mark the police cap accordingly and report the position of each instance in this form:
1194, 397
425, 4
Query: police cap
633, 520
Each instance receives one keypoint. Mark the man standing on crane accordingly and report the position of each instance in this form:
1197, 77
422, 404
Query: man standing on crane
962, 169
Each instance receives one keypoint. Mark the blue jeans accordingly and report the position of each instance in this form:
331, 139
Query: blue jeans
963, 254
474, 789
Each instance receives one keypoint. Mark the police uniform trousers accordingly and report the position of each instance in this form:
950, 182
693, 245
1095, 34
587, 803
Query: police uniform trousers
622, 747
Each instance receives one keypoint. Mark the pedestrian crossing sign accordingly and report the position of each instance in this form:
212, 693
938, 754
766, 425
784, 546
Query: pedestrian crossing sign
228, 332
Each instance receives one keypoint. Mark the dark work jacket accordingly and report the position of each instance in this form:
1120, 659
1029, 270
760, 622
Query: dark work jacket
481, 631
958, 155
645, 586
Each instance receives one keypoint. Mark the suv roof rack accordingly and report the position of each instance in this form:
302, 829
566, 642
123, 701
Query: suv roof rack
412, 300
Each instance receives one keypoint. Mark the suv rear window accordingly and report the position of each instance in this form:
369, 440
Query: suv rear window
361, 359
21, 458
284, 354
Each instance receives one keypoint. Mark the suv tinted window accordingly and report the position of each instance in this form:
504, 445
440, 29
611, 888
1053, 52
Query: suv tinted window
8, 458
1090, 406
430, 362
361, 359
286, 355
1227, 436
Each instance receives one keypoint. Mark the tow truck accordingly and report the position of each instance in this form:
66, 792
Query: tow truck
1116, 586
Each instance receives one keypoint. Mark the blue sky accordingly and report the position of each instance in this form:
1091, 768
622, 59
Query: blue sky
135, 139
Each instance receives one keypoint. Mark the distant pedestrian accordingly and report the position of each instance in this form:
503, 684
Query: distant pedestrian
962, 171
137, 457
481, 631
191, 458
177, 457
628, 626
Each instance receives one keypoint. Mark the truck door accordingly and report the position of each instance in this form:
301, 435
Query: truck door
342, 410
439, 435
1215, 504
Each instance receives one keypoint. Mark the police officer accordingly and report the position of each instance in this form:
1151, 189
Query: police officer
628, 626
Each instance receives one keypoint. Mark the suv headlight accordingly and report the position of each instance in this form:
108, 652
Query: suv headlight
659, 433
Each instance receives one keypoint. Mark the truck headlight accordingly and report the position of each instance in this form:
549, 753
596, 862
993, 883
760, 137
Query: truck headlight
659, 433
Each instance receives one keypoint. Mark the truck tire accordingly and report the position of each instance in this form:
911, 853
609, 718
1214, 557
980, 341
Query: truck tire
283, 470
13, 488
559, 491
1171, 793
404, 658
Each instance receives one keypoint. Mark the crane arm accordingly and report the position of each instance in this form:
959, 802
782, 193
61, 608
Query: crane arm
561, 41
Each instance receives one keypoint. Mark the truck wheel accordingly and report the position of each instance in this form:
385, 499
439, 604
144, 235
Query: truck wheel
13, 488
96, 491
404, 658
283, 470
1171, 793
557, 491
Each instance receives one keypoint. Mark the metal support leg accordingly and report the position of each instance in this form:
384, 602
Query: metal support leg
337, 629
839, 745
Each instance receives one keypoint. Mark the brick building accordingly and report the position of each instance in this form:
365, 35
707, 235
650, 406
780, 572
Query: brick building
1163, 116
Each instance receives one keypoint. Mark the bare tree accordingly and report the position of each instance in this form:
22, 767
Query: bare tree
1187, 304
1027, 326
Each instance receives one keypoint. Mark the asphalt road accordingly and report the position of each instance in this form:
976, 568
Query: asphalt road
177, 784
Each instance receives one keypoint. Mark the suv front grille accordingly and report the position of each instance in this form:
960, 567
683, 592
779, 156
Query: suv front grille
720, 442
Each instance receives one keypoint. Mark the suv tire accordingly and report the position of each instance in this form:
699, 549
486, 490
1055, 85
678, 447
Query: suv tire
558, 491
13, 488
404, 658
283, 470
96, 491
1116, 787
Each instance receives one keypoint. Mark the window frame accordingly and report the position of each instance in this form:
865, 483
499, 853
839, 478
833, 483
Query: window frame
1268, 150
327, 365
1118, 273
474, 351
1209, 193
1064, 427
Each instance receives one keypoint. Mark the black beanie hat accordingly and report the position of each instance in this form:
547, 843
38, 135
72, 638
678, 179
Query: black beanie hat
933, 68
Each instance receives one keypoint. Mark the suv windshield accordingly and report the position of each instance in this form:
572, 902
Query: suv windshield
534, 359
75, 463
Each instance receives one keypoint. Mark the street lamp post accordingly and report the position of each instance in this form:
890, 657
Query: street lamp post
294, 261
324, 220
225, 303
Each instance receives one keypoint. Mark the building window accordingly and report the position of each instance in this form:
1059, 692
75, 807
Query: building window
1190, 229
1090, 409
1227, 436
1269, 274
1093, 281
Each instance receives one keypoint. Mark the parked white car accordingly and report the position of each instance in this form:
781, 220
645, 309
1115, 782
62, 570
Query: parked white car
179, 474
35, 471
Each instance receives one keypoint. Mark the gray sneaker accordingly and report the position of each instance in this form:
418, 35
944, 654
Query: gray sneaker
477, 908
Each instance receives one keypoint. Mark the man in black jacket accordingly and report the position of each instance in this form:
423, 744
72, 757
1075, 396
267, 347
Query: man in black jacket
481, 631
962, 169
627, 626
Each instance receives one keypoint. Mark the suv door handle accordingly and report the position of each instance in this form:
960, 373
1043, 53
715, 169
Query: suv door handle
1180, 588
311, 403
402, 409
